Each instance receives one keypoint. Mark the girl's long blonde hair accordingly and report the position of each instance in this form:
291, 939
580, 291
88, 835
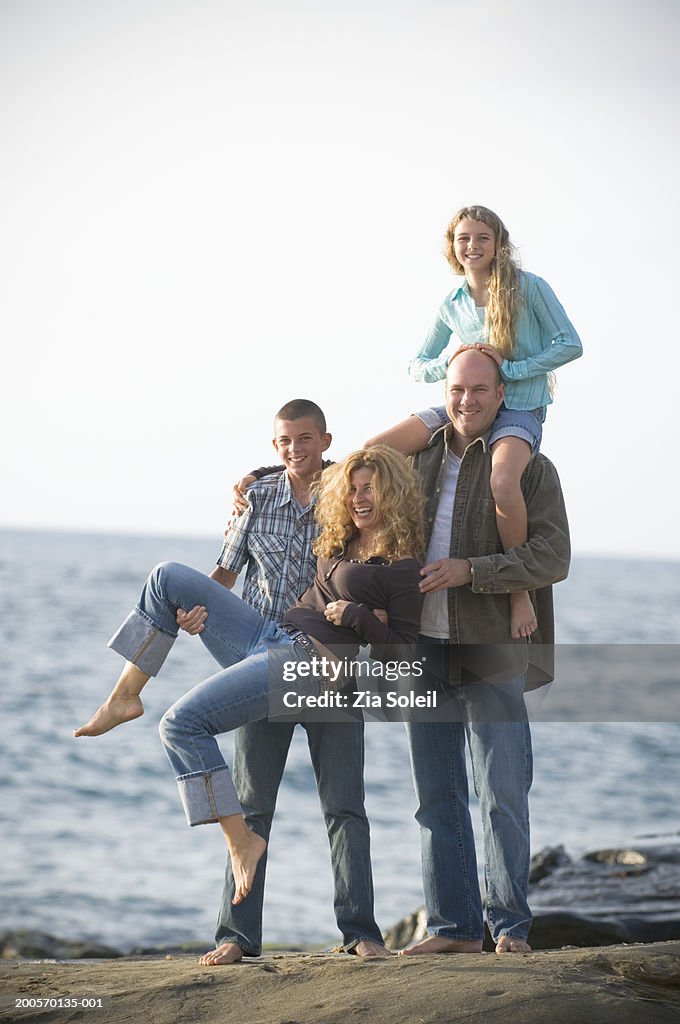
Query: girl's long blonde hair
398, 498
505, 298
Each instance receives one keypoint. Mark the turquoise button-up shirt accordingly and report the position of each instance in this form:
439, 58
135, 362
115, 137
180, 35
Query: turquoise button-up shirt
545, 339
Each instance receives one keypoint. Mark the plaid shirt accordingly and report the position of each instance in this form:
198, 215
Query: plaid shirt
273, 538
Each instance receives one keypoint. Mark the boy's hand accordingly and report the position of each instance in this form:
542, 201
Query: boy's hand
192, 622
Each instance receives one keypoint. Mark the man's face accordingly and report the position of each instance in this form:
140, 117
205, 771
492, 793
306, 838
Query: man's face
473, 394
300, 445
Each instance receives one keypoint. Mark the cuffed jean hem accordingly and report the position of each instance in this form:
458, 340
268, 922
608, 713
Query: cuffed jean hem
208, 796
140, 641
349, 947
512, 933
238, 941
455, 936
526, 424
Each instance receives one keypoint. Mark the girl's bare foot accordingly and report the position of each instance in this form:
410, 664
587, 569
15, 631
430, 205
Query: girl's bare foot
508, 944
522, 615
227, 953
113, 712
438, 944
369, 948
245, 849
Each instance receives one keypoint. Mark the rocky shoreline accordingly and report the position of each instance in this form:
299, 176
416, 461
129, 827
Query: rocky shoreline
626, 894
606, 941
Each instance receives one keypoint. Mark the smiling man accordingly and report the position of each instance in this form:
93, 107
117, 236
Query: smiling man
478, 671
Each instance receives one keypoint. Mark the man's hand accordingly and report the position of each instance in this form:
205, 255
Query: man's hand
192, 622
334, 611
381, 614
447, 572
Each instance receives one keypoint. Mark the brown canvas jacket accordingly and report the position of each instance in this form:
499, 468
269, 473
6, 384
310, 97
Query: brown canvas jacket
479, 614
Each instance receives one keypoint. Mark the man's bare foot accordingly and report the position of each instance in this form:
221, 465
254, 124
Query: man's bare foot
368, 948
245, 853
113, 712
508, 944
522, 615
438, 944
227, 953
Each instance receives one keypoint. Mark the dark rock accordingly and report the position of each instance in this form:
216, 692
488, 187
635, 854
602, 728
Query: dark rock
25, 944
625, 894
545, 861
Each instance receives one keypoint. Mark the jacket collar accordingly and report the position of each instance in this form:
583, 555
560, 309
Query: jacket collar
442, 436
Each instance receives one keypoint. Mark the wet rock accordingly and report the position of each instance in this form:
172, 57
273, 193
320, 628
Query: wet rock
546, 861
25, 944
625, 894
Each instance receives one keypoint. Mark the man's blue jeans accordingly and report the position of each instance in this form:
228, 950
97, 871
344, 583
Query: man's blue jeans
242, 642
493, 718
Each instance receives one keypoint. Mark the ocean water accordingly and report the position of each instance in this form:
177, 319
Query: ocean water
94, 841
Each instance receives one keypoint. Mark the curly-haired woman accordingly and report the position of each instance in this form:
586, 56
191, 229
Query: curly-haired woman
365, 592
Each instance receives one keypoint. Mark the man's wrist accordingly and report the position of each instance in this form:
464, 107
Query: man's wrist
472, 571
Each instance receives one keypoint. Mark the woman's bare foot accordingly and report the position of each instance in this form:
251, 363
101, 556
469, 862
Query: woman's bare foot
438, 944
369, 949
113, 712
245, 849
508, 944
227, 953
522, 615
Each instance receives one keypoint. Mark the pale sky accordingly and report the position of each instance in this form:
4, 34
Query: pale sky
209, 208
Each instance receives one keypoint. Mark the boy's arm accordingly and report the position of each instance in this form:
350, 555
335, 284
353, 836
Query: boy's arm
224, 576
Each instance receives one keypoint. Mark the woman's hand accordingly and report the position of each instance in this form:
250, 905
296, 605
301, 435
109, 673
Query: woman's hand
334, 611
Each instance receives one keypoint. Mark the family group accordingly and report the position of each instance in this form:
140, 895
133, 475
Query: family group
436, 544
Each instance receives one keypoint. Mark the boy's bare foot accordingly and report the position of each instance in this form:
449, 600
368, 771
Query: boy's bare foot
113, 712
368, 948
438, 944
522, 615
245, 853
508, 944
227, 953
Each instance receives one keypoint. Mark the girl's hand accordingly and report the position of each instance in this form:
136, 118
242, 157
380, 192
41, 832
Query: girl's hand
334, 611
494, 353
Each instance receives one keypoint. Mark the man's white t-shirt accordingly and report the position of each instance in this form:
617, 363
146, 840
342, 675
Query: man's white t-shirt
435, 618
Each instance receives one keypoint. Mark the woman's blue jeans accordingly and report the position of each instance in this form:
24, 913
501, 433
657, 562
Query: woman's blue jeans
493, 719
249, 648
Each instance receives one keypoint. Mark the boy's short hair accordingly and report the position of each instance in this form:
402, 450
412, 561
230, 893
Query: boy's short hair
299, 407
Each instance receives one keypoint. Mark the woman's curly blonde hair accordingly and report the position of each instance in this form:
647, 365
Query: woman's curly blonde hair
505, 297
398, 498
